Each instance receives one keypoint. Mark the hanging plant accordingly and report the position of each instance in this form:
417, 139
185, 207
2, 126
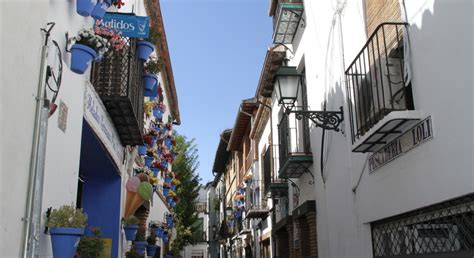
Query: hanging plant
86, 46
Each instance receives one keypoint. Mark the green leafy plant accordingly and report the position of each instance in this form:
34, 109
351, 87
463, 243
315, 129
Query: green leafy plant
91, 246
132, 220
154, 65
67, 216
216, 203
131, 254
140, 237
151, 239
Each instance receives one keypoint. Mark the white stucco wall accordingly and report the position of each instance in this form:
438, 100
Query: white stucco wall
441, 42
20, 54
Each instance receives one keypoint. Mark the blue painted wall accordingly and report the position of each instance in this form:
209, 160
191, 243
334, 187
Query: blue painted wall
101, 187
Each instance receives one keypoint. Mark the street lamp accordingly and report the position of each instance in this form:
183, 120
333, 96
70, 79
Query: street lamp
288, 83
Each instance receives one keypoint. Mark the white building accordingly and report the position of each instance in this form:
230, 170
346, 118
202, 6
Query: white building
200, 248
88, 153
396, 178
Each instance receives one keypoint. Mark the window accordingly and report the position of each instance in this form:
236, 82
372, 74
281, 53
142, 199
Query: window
444, 229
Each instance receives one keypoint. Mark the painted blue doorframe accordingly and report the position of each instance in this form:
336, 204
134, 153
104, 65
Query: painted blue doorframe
101, 187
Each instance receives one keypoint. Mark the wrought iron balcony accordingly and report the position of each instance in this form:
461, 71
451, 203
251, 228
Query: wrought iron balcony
379, 91
256, 205
294, 151
118, 81
286, 20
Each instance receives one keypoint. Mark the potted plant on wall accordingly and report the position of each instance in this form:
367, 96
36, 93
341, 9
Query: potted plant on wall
84, 7
139, 244
132, 254
91, 246
66, 225
99, 9
87, 46
130, 227
151, 246
152, 67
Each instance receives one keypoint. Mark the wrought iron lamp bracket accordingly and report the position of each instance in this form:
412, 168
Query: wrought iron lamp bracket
329, 120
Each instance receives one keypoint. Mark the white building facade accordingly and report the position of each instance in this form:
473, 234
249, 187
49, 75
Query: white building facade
87, 160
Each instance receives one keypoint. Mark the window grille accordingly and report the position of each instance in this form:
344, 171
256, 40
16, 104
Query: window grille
445, 229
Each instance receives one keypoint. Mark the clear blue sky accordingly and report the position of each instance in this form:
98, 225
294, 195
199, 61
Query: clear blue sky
217, 50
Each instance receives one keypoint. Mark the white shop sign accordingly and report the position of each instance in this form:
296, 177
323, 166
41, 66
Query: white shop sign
417, 135
101, 123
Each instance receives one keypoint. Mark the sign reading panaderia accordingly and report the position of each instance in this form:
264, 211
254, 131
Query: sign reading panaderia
417, 135
129, 25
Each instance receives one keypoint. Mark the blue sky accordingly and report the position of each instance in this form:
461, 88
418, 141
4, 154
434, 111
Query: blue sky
217, 50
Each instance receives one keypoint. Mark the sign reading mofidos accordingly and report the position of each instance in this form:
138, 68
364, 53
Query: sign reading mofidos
417, 135
129, 25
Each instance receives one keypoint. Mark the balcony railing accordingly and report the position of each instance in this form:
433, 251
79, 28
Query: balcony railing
286, 20
294, 153
256, 204
377, 84
118, 81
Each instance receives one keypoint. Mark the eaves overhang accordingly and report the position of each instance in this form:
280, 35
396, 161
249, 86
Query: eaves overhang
242, 122
273, 60
222, 154
156, 20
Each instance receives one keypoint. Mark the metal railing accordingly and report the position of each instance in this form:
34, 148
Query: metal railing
255, 196
117, 78
376, 84
442, 230
278, 10
292, 137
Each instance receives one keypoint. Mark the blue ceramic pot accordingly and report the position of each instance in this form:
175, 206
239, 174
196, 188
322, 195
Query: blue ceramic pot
149, 81
151, 250
159, 232
155, 171
139, 246
84, 7
145, 49
81, 56
167, 179
151, 93
166, 191
157, 113
130, 232
142, 149
65, 241
99, 10
148, 161
173, 187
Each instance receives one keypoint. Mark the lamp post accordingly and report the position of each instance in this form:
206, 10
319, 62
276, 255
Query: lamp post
288, 83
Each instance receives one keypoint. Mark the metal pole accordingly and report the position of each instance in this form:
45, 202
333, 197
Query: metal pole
32, 218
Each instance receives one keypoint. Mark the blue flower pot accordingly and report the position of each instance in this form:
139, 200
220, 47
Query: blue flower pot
155, 171
145, 49
99, 10
148, 161
157, 113
167, 179
142, 149
151, 93
84, 7
242, 190
150, 81
81, 56
166, 191
151, 250
169, 221
159, 232
140, 247
166, 239
173, 187
65, 241
130, 232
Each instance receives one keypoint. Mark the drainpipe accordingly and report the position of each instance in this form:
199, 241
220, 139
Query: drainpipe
32, 218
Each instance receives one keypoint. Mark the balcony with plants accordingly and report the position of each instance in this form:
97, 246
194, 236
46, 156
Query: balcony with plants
379, 88
119, 78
